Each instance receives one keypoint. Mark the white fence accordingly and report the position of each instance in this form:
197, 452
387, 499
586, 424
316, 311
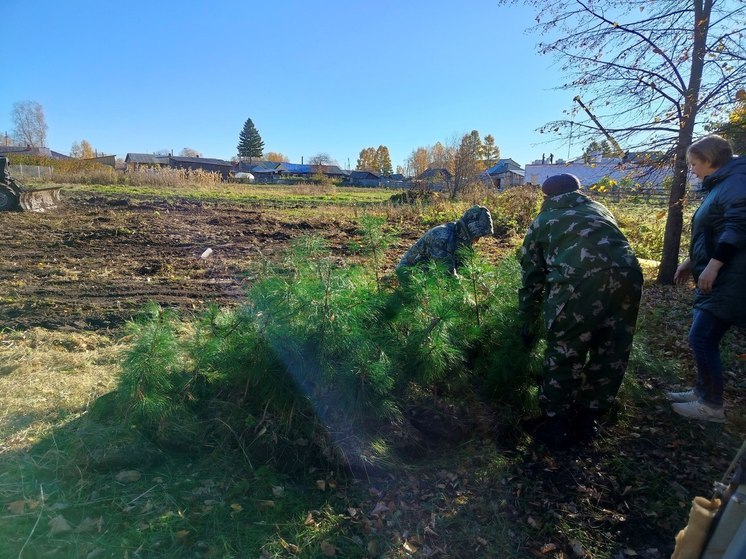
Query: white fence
31, 171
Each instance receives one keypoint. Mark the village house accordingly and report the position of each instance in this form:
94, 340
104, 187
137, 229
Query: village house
506, 173
637, 168
134, 161
437, 179
220, 166
6, 151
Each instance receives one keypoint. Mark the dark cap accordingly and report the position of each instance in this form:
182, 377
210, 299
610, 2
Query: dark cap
560, 184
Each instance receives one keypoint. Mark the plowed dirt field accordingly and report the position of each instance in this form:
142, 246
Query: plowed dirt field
96, 260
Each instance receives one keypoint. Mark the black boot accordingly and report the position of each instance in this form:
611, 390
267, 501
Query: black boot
584, 424
550, 431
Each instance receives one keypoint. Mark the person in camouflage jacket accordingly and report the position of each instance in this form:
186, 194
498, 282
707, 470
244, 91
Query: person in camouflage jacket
580, 275
443, 243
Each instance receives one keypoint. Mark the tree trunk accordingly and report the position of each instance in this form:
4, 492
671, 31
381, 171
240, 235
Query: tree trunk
675, 221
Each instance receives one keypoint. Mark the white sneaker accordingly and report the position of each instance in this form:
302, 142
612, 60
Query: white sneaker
699, 410
685, 396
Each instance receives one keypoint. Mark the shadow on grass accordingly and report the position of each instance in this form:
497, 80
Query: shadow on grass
93, 489
100, 489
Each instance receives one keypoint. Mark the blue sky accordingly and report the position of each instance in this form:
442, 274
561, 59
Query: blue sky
315, 76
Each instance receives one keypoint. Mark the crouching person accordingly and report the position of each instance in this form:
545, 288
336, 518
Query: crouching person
444, 243
580, 275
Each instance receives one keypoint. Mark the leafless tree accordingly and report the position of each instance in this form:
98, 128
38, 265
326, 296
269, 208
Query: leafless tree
189, 152
29, 124
652, 72
321, 159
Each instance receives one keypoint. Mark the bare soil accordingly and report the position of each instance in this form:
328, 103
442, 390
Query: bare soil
92, 263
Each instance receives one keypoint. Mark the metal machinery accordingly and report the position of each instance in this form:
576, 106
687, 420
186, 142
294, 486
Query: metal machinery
14, 196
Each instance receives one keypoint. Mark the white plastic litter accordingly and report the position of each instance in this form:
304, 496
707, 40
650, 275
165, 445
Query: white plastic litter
207, 253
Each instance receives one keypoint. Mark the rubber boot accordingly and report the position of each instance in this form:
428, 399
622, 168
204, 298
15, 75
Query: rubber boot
552, 432
584, 424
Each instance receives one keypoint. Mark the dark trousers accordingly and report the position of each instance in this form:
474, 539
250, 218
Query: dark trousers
704, 340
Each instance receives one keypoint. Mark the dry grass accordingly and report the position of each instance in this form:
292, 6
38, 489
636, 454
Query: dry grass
48, 378
169, 177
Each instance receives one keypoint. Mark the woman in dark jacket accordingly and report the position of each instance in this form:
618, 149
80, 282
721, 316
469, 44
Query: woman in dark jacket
717, 262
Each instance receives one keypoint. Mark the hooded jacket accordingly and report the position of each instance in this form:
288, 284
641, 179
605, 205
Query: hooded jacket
719, 231
443, 242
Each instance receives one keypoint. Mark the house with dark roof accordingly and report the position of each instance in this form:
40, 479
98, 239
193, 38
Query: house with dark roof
437, 179
307, 171
108, 160
136, 160
505, 174
371, 178
206, 164
7, 151
263, 171
366, 178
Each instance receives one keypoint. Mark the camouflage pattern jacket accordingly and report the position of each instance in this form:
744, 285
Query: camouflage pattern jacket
572, 238
440, 243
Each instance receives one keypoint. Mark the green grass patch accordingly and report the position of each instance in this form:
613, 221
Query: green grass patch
273, 195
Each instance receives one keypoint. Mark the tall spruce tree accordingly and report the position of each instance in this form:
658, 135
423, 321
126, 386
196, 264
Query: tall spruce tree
250, 143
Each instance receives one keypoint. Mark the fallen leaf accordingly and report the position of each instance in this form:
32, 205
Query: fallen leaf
58, 525
320, 485
328, 549
89, 524
128, 476
17, 507
409, 548
182, 534
548, 548
577, 548
236, 507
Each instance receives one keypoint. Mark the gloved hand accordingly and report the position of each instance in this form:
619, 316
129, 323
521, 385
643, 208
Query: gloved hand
527, 336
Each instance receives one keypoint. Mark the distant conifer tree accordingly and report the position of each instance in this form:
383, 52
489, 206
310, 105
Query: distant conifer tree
250, 143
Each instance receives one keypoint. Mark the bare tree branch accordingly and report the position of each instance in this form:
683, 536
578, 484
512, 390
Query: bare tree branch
653, 72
